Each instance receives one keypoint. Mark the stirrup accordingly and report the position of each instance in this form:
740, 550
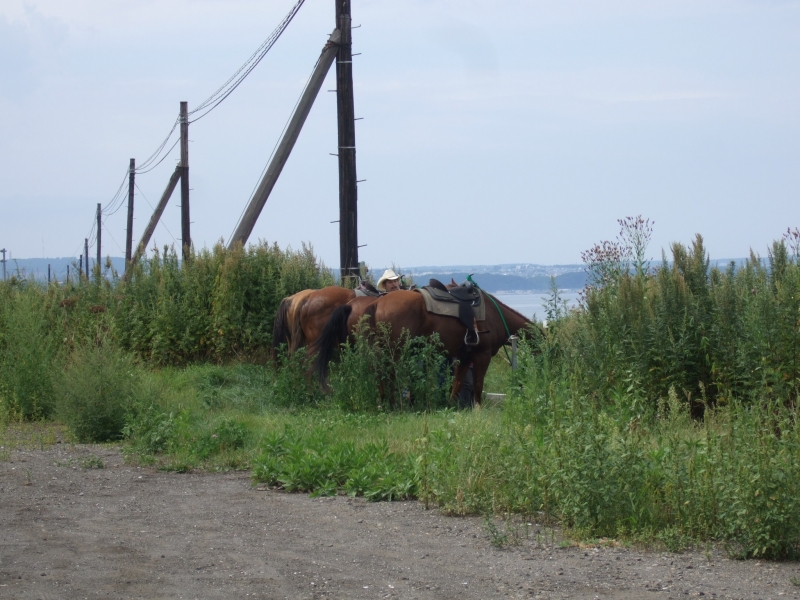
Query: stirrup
467, 341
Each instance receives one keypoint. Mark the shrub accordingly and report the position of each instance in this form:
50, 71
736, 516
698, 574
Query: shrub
149, 430
27, 353
375, 371
97, 392
711, 334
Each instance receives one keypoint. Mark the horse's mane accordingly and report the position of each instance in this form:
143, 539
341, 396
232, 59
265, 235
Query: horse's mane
507, 307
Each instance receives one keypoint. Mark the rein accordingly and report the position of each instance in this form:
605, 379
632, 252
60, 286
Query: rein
500, 312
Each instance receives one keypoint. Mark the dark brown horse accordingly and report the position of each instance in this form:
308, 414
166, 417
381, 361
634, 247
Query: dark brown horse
404, 310
301, 317
340, 327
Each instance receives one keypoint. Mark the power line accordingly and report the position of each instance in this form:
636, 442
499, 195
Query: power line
118, 197
205, 107
160, 222
108, 231
269, 160
156, 154
162, 158
227, 88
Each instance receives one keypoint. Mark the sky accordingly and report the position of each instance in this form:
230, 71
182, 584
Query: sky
502, 131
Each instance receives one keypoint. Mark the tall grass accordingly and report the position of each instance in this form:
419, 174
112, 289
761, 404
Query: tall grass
733, 476
662, 409
217, 305
713, 335
376, 373
28, 349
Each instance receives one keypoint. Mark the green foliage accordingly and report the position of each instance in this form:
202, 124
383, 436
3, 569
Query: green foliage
216, 305
374, 371
97, 391
150, 430
713, 335
315, 462
623, 470
226, 435
92, 462
292, 385
27, 352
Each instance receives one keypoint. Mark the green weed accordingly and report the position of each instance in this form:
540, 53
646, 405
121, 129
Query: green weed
97, 391
92, 462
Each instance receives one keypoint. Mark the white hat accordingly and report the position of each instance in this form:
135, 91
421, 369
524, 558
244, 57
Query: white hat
388, 275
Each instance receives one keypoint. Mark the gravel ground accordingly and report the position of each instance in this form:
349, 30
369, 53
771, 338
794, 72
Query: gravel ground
71, 531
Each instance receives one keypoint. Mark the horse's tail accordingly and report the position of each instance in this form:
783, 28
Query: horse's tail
333, 335
281, 333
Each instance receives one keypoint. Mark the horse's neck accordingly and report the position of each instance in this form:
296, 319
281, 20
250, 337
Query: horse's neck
514, 320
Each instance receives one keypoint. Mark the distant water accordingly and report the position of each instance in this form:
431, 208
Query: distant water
532, 303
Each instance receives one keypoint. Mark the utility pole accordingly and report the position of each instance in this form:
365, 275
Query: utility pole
345, 108
99, 231
284, 149
162, 204
86, 255
4, 263
80, 267
186, 235
129, 236
48, 272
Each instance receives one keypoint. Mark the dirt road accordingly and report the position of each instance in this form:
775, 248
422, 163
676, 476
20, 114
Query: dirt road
68, 530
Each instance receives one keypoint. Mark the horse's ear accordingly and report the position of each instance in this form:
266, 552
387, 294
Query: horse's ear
453, 281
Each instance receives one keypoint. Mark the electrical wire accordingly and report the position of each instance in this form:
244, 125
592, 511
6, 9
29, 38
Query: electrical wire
117, 197
274, 149
160, 222
79, 250
162, 158
108, 231
205, 107
161, 146
233, 82
225, 90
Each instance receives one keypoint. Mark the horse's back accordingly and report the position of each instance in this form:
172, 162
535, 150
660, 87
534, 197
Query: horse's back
402, 309
318, 307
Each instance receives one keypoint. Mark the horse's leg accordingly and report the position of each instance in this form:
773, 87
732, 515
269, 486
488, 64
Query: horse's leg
459, 372
480, 364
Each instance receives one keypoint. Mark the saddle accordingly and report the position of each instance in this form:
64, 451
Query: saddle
365, 288
468, 302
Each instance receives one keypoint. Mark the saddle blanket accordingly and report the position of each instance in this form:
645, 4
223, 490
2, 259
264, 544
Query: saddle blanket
450, 309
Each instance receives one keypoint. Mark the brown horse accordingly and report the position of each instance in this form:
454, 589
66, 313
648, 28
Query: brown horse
302, 316
286, 329
404, 310
339, 328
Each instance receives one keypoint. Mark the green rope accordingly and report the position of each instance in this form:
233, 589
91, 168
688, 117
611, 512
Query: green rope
500, 312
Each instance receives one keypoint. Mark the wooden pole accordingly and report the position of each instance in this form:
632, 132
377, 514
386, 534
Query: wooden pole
245, 227
80, 267
4, 263
99, 248
129, 236
348, 189
162, 204
86, 254
48, 272
186, 234
513, 352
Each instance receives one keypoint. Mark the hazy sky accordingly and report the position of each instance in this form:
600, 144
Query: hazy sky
493, 132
